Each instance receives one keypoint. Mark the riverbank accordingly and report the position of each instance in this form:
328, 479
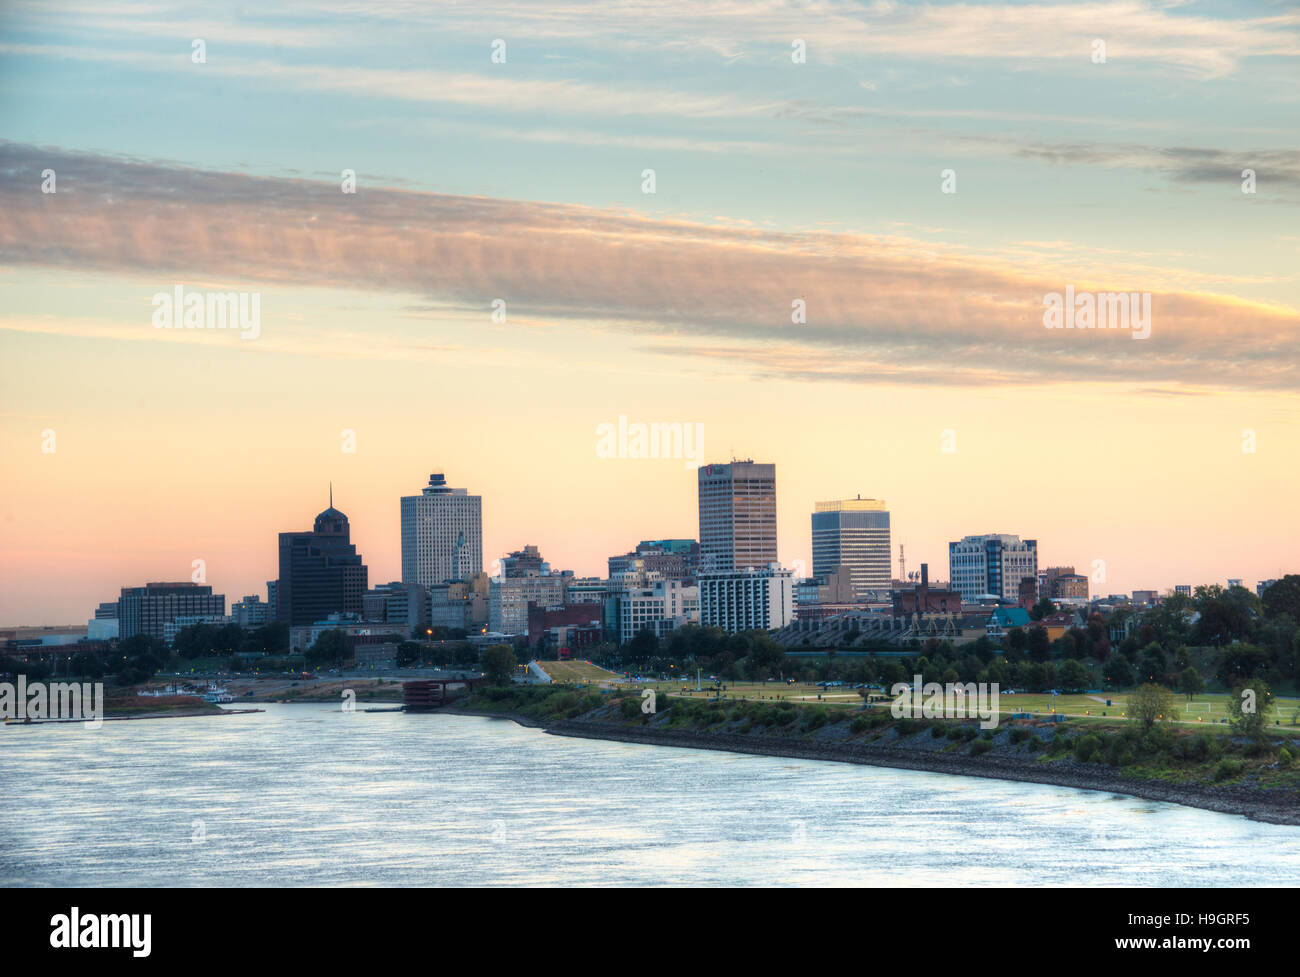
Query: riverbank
1015, 752
1255, 803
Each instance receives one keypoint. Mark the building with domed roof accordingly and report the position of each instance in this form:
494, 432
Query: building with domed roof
321, 572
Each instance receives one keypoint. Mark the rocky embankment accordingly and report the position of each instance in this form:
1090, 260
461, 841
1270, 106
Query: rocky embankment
920, 750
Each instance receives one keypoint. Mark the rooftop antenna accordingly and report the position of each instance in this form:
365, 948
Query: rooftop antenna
331, 495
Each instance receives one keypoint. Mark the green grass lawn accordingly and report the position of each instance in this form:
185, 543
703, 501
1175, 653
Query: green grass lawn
579, 672
1204, 710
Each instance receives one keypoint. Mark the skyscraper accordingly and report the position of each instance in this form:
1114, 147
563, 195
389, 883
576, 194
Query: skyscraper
737, 516
442, 534
321, 572
992, 564
853, 533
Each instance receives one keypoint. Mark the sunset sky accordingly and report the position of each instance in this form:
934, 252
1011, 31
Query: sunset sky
775, 181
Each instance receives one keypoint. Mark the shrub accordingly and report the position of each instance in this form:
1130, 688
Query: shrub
1284, 757
1158, 740
630, 708
1018, 734
954, 732
1035, 743
907, 726
1195, 749
1228, 767
1086, 746
1118, 751
939, 731
860, 724
814, 718
1060, 744
980, 746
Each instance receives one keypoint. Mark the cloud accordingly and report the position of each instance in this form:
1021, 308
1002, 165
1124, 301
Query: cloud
1138, 34
1189, 163
879, 309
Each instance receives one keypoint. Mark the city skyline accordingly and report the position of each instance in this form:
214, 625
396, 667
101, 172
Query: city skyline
828, 237
934, 554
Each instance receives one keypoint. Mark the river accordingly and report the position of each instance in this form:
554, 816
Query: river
309, 795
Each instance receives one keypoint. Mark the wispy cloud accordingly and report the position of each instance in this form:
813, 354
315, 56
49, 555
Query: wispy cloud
1139, 34
878, 308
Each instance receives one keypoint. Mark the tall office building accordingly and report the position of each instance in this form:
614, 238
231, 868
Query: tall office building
321, 572
737, 516
148, 609
442, 534
991, 564
853, 533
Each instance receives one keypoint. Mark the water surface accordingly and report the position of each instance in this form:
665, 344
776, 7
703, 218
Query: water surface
310, 795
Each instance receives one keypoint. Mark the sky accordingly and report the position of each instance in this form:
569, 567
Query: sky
857, 211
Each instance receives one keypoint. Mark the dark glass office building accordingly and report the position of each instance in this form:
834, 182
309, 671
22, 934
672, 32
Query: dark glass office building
321, 572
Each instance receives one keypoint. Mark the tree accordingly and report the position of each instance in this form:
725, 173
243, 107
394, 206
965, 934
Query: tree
142, 644
1040, 649
1118, 673
1066, 646
332, 646
1151, 703
1072, 676
1040, 610
1190, 683
87, 666
1153, 662
1247, 708
408, 652
1241, 661
1226, 615
1283, 597
499, 664
644, 645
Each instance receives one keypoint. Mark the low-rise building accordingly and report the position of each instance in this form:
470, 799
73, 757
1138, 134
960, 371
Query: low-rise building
658, 608
251, 612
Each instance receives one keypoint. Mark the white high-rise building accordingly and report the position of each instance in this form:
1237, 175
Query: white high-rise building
745, 600
442, 534
993, 564
737, 515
